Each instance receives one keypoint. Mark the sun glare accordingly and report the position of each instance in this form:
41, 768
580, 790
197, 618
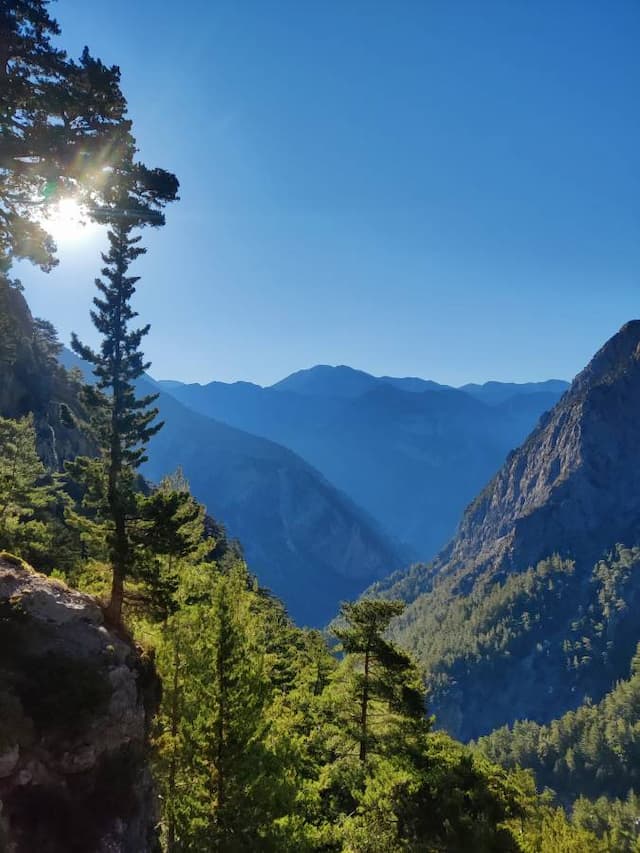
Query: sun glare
68, 223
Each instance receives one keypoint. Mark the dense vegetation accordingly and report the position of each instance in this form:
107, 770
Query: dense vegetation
265, 739
531, 645
593, 751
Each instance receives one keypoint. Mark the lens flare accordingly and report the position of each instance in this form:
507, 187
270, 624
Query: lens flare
67, 222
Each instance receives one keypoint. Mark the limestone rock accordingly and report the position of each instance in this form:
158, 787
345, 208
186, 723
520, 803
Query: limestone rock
75, 702
572, 488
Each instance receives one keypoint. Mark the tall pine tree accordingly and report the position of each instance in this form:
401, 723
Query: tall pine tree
117, 365
384, 676
26, 491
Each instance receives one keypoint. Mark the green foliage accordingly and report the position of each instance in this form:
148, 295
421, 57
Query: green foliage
65, 132
531, 645
221, 775
615, 822
592, 751
162, 526
381, 679
254, 752
548, 830
27, 492
435, 797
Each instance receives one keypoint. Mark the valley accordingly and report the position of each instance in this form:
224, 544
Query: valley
380, 594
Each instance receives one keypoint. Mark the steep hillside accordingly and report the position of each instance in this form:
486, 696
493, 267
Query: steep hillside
411, 456
591, 752
500, 640
572, 488
301, 536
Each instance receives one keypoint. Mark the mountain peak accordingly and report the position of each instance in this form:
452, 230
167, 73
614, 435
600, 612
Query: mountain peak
325, 380
619, 353
571, 488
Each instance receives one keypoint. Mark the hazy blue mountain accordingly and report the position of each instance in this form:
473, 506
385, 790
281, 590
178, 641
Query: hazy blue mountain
304, 539
410, 452
323, 380
498, 392
413, 383
170, 383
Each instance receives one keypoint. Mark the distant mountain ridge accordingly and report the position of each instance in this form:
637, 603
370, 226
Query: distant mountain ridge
499, 392
411, 452
325, 380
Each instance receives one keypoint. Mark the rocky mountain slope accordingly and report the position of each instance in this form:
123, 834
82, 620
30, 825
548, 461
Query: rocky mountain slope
33, 382
411, 452
75, 703
573, 487
536, 578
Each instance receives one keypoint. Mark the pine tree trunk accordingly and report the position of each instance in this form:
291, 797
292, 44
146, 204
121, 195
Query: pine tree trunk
119, 547
113, 612
173, 765
119, 550
364, 709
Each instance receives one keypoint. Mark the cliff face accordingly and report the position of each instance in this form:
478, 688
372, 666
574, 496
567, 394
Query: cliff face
572, 487
33, 382
75, 702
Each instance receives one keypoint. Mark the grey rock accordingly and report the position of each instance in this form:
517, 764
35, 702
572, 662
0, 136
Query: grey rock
572, 488
76, 699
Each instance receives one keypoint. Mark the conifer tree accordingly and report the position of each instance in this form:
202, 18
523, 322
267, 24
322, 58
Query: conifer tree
219, 779
383, 673
26, 491
63, 125
128, 425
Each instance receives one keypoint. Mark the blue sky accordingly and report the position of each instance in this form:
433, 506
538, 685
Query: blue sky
442, 189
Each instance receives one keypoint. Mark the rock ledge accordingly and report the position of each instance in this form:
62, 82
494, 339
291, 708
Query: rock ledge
75, 702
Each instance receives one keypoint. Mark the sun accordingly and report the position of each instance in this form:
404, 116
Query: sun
67, 222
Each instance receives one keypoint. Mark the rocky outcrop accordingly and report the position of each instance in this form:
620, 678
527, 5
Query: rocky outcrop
573, 486
32, 382
75, 703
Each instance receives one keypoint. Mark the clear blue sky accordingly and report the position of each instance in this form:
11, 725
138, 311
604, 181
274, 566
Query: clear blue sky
443, 189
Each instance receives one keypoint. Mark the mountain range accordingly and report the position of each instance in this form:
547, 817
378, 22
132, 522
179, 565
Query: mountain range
316, 481
527, 613
412, 453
